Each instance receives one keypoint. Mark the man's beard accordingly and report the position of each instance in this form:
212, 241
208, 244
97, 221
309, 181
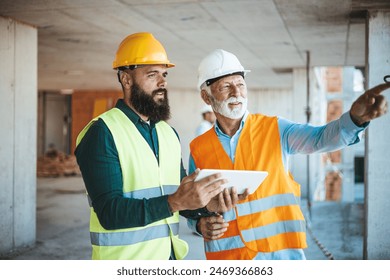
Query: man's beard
144, 104
222, 107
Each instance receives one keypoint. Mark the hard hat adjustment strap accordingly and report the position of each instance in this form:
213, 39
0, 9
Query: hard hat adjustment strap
128, 67
211, 81
123, 68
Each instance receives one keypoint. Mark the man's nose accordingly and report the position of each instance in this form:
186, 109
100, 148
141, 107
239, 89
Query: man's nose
235, 91
162, 83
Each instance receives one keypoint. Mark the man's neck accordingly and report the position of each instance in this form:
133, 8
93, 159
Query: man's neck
227, 125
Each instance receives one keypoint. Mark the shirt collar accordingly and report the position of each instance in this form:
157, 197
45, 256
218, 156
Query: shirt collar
220, 132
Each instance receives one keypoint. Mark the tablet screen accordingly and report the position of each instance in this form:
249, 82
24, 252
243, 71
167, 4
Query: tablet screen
241, 179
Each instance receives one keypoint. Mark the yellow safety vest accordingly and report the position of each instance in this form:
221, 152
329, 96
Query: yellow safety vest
143, 178
270, 219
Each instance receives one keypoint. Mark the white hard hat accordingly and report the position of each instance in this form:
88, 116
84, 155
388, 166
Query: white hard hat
205, 109
217, 64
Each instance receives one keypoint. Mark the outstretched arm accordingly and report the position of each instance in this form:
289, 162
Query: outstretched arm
306, 138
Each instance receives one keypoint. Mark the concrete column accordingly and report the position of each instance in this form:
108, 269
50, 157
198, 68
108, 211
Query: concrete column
377, 241
18, 112
348, 154
298, 164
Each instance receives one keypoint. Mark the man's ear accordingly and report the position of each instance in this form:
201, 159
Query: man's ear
205, 96
125, 79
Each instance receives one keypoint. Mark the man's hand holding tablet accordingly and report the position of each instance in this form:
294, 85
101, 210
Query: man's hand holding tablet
240, 179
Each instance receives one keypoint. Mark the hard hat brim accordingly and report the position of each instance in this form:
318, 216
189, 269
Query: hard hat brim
117, 67
209, 82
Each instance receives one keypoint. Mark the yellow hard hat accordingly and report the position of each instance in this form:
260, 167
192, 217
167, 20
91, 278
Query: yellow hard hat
140, 49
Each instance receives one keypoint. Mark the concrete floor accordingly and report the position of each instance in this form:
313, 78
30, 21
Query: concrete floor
63, 216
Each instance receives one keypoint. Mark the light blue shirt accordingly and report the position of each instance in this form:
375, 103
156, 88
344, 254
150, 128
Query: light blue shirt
295, 138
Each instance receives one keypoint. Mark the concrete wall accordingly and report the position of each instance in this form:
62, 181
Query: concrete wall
185, 105
18, 112
377, 241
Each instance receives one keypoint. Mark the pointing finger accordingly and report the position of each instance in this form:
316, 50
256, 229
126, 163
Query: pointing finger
378, 89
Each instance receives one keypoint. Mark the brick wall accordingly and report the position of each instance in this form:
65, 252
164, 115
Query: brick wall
334, 85
334, 79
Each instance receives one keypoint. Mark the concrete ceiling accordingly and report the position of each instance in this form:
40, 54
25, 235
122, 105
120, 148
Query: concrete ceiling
77, 40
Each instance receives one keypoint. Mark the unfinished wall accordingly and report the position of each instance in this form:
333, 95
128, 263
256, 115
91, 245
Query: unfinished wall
87, 104
18, 112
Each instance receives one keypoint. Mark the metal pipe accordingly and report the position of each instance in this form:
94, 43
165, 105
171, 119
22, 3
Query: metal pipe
308, 115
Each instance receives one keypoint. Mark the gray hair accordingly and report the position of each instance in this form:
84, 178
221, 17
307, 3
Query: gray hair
205, 87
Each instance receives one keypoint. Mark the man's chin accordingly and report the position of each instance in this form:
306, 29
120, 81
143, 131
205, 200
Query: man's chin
234, 115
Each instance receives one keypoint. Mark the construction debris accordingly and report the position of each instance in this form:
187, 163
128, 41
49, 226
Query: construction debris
56, 164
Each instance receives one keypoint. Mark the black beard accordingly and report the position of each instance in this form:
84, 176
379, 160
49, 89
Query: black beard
144, 104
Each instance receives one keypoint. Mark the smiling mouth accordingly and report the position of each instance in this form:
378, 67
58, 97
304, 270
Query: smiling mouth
159, 95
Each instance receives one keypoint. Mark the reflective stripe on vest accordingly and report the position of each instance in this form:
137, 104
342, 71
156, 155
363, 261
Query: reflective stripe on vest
269, 219
131, 237
151, 192
148, 193
153, 179
259, 205
254, 234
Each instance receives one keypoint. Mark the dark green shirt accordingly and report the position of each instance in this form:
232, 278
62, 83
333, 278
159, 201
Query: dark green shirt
98, 159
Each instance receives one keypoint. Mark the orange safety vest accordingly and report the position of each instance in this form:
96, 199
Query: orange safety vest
270, 219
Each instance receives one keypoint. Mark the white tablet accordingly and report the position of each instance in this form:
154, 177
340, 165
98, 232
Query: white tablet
241, 179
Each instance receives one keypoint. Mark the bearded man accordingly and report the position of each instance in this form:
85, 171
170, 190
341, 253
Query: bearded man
130, 160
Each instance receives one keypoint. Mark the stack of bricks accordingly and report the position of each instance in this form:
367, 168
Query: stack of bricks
57, 164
